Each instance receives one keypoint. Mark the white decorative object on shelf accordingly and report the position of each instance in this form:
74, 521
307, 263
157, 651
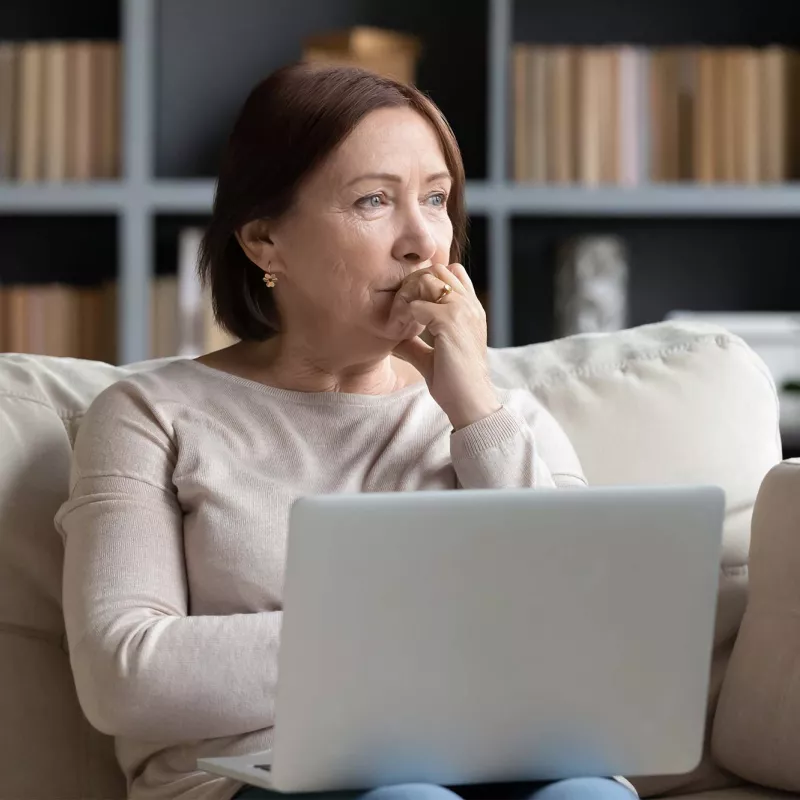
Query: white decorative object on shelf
591, 286
198, 330
191, 300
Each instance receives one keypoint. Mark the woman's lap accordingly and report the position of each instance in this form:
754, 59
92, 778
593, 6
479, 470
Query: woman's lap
574, 789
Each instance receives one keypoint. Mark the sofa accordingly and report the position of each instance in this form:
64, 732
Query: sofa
668, 403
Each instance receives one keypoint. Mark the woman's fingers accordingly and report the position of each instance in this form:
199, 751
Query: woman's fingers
418, 354
431, 287
461, 273
428, 284
435, 317
449, 276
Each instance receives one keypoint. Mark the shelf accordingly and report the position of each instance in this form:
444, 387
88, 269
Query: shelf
182, 196
67, 198
196, 196
186, 196
668, 200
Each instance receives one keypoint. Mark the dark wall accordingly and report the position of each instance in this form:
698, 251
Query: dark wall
57, 19
715, 22
212, 53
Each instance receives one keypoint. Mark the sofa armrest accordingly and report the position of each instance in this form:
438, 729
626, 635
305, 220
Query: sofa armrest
757, 725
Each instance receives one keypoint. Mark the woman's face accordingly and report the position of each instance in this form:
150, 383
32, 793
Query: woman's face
371, 214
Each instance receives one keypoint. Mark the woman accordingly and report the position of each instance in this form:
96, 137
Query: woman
337, 227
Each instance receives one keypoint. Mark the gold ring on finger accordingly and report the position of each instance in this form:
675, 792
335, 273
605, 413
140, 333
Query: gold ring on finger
446, 289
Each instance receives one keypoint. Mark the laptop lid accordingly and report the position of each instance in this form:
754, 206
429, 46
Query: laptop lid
496, 635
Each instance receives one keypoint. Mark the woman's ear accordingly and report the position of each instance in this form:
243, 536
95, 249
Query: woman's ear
254, 239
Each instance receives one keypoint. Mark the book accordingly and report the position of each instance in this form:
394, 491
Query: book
164, 316
608, 64
30, 96
666, 104
17, 310
686, 108
55, 112
751, 109
706, 118
521, 97
561, 114
90, 314
589, 150
82, 139
537, 109
106, 102
8, 91
625, 115
731, 116
390, 53
774, 120
631, 117
3, 320
39, 320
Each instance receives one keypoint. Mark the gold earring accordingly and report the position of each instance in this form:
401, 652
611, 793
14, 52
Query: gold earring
270, 278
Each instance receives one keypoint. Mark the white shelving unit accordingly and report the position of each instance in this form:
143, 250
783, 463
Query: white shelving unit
139, 196
484, 198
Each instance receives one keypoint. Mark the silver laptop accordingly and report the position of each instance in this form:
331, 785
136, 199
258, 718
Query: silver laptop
482, 636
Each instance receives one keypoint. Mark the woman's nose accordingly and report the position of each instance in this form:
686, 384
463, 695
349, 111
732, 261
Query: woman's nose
415, 243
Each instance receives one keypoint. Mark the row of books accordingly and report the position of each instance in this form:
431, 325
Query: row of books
629, 115
59, 320
59, 110
81, 321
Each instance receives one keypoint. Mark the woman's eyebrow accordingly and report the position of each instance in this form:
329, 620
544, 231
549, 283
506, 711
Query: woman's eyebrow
388, 176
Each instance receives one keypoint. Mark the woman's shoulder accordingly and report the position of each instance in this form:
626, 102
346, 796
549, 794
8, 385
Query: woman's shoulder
149, 392
173, 379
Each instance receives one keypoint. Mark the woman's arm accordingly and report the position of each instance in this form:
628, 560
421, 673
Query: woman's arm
143, 667
521, 445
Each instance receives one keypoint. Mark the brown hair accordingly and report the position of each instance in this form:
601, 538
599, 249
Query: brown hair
289, 123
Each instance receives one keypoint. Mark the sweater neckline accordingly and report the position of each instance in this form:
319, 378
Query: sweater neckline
308, 398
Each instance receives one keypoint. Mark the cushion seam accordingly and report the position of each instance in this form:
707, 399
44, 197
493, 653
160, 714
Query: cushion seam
613, 366
63, 414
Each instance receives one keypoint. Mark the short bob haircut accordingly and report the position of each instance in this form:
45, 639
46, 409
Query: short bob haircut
289, 124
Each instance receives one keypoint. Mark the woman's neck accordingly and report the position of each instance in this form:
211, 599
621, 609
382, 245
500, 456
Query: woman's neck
285, 365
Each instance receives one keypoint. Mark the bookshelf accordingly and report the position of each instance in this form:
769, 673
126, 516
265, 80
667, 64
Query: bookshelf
179, 95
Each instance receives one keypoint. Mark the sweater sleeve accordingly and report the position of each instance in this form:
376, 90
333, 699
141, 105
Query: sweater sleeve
521, 445
143, 667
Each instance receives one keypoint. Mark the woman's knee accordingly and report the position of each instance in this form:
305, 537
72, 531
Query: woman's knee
410, 791
584, 789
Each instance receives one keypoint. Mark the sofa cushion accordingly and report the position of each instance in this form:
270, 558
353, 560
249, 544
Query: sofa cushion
47, 749
666, 404
757, 728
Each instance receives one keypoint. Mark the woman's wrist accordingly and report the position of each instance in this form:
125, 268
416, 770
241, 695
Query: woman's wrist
468, 414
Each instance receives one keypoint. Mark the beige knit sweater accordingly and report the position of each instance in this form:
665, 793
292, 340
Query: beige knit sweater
175, 537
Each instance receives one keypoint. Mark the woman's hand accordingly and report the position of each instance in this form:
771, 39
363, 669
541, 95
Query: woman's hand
455, 367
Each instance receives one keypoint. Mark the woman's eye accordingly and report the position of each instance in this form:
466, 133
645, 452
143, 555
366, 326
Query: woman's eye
371, 201
437, 199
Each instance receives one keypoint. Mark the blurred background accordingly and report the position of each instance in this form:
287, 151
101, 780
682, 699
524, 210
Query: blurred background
626, 161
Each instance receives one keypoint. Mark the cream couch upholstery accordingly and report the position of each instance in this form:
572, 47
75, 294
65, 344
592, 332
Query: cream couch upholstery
668, 403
